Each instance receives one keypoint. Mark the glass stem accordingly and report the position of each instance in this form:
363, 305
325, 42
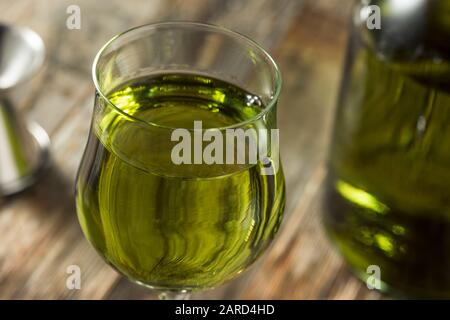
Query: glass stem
175, 295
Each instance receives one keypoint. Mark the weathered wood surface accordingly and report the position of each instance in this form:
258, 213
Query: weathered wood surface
39, 232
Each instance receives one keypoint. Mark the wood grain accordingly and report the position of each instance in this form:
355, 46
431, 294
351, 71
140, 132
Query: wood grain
39, 233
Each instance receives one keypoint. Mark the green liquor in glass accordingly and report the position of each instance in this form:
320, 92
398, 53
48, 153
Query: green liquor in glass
170, 226
165, 225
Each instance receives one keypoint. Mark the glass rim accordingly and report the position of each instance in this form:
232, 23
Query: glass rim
212, 27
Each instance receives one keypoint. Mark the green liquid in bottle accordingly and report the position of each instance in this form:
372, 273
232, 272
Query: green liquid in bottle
388, 198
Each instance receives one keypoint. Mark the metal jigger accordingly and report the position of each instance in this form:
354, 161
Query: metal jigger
23, 144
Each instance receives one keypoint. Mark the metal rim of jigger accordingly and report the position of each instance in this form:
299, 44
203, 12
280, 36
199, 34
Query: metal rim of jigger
42, 140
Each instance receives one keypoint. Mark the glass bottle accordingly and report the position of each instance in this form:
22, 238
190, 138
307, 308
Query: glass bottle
388, 187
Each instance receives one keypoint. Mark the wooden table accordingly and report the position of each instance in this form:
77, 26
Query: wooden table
39, 232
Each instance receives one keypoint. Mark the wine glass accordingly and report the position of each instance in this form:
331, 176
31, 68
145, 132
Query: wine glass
164, 211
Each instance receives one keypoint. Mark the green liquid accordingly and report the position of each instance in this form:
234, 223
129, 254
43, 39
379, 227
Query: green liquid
168, 226
388, 198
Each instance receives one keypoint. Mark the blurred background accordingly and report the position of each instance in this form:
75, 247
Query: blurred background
39, 232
